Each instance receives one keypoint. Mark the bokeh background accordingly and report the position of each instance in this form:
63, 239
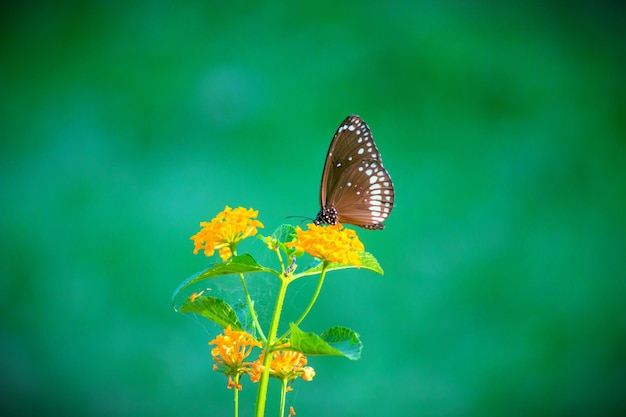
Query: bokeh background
503, 125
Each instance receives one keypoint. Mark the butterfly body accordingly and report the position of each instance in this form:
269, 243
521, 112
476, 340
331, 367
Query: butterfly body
356, 188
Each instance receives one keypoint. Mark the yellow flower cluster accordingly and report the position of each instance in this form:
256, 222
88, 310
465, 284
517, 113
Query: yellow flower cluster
227, 229
286, 365
331, 243
231, 348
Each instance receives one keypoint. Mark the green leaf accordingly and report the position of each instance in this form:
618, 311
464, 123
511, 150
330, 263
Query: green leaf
367, 262
284, 233
214, 309
336, 341
240, 264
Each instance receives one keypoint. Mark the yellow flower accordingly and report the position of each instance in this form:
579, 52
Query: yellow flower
225, 231
271, 243
330, 243
308, 373
229, 353
285, 365
232, 384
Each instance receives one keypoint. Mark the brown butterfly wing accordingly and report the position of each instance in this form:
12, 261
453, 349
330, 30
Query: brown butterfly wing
356, 188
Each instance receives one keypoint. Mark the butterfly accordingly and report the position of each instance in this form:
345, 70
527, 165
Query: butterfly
356, 188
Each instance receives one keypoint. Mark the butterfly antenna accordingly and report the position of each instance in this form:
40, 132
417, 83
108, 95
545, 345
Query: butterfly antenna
304, 218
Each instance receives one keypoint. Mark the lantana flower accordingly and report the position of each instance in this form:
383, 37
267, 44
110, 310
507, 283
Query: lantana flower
285, 365
332, 243
225, 231
231, 348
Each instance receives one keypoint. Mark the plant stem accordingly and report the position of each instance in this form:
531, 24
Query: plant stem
317, 292
236, 394
255, 319
271, 340
283, 395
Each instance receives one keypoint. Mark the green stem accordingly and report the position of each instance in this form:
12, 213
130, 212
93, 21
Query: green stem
283, 396
271, 339
280, 260
248, 299
255, 319
236, 394
317, 292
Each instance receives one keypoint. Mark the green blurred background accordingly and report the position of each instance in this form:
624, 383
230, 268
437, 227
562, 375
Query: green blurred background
124, 124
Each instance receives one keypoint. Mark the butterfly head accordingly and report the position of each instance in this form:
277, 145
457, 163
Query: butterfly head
327, 215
